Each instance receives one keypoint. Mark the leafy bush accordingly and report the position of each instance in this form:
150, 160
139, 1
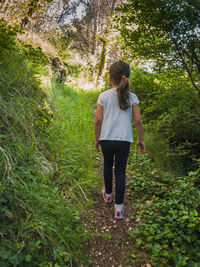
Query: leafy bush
168, 214
35, 55
61, 43
170, 110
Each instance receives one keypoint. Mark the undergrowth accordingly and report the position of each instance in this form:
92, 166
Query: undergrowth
47, 161
72, 136
47, 158
168, 226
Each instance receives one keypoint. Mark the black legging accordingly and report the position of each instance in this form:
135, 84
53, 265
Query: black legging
119, 149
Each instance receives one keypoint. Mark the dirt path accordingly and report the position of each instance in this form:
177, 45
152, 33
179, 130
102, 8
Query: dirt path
110, 243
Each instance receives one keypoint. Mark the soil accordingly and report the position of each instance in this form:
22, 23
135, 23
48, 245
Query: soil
110, 242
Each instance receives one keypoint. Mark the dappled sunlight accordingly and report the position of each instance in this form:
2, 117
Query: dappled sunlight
45, 82
86, 85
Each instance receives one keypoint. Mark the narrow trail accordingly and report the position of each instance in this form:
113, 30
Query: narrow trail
110, 243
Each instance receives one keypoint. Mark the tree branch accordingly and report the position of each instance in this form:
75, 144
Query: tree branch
185, 65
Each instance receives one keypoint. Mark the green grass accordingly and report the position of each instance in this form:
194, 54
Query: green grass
72, 136
162, 154
47, 164
48, 172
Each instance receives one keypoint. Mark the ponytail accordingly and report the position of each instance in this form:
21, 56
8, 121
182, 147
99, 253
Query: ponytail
123, 94
120, 72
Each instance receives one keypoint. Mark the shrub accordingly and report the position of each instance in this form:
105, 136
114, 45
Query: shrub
170, 110
168, 214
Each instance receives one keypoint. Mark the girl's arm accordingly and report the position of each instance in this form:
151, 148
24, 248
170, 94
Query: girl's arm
139, 127
98, 123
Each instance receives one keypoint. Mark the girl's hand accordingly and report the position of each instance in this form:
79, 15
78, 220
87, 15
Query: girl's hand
141, 147
97, 146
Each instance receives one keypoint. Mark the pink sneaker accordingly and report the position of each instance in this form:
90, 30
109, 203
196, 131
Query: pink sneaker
107, 197
119, 214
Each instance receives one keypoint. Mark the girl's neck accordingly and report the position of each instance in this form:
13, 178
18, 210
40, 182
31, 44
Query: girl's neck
113, 85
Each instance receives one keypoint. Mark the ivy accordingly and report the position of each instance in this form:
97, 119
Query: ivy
102, 58
168, 219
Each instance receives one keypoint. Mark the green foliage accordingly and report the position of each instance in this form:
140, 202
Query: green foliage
35, 55
46, 164
170, 110
102, 58
10, 34
61, 43
165, 31
92, 97
34, 6
165, 157
106, 81
73, 120
167, 216
74, 70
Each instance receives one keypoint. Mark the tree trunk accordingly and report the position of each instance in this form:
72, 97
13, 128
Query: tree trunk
95, 13
113, 6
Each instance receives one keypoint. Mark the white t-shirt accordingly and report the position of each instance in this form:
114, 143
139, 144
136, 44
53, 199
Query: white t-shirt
116, 123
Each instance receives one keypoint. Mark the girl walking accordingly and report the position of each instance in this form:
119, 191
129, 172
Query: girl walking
113, 132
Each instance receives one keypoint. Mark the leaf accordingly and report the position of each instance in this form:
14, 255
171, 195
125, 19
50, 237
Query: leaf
138, 241
133, 256
28, 258
5, 254
55, 253
16, 260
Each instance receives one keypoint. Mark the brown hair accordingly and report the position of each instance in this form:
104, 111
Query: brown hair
120, 73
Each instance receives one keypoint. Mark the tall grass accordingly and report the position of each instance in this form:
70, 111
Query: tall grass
71, 140
47, 164
162, 154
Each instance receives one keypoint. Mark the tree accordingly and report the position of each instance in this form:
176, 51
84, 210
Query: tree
163, 30
38, 15
84, 31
